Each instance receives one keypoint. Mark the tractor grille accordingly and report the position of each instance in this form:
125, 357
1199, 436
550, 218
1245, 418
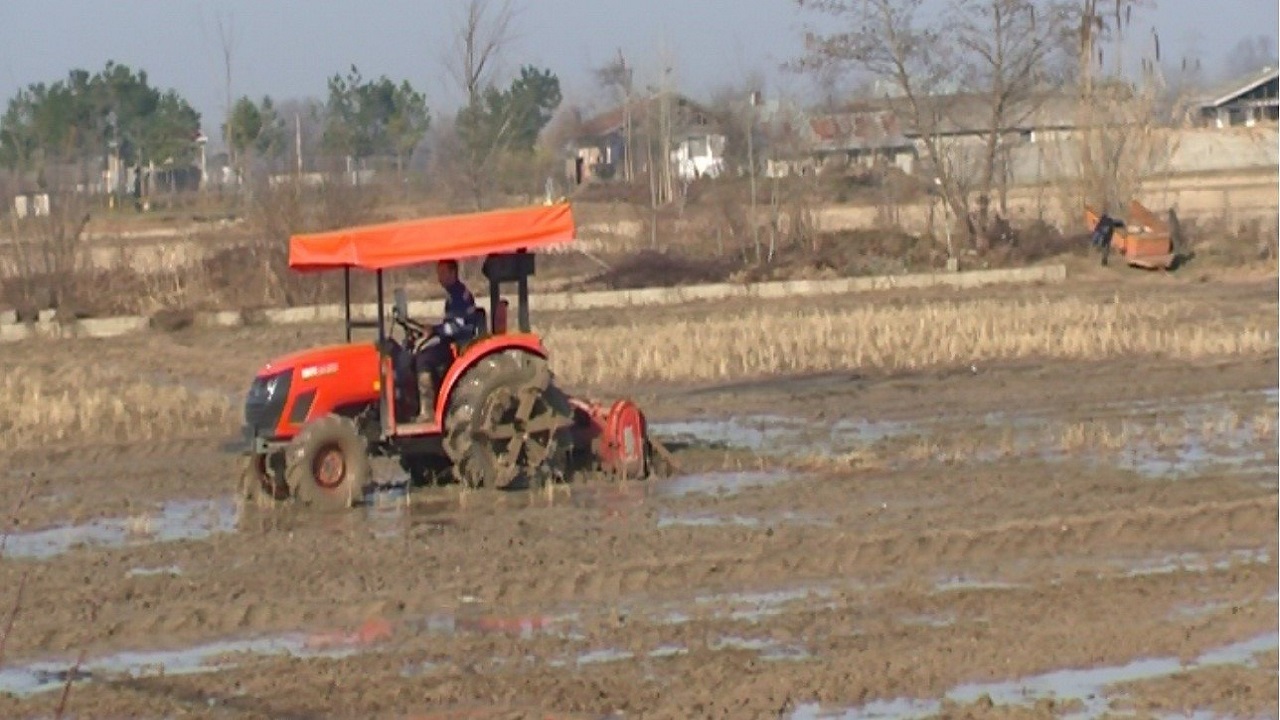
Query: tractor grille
265, 403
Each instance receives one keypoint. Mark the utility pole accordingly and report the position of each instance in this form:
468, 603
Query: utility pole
297, 141
752, 102
628, 170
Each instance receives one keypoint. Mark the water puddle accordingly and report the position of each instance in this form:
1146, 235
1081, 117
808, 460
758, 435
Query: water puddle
618, 499
720, 483
1088, 685
172, 570
766, 648
960, 582
174, 521
755, 606
1194, 562
603, 655
42, 676
1156, 438
1213, 608
1191, 442
393, 511
711, 520
931, 621
774, 434
565, 625
1213, 437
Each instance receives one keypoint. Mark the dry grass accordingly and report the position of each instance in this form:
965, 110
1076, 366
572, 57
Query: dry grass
1264, 426
43, 407
763, 342
1095, 435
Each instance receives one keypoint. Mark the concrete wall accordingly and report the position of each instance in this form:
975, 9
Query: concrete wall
1233, 199
648, 297
1169, 152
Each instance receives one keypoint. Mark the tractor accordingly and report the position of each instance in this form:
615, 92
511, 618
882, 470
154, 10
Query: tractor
314, 418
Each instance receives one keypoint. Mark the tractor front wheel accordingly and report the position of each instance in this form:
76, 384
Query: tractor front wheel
262, 477
327, 464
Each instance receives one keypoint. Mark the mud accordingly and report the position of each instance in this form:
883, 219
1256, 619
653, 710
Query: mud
1081, 691
173, 521
1029, 540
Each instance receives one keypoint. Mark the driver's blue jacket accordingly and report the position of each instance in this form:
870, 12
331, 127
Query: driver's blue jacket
461, 318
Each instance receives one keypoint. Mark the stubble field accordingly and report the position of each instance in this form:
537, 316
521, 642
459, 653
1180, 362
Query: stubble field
1010, 503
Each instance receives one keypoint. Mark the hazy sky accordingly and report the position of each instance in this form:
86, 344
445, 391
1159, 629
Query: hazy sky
288, 48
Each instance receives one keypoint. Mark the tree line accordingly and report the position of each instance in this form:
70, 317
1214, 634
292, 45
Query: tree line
89, 118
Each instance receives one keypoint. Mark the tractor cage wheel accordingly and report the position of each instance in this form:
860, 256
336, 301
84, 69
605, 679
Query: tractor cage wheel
506, 420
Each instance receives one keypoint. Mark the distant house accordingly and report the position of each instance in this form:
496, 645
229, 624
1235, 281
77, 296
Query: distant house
1244, 101
961, 116
883, 133
599, 152
861, 140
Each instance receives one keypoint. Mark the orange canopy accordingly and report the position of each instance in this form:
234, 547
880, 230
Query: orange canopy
425, 240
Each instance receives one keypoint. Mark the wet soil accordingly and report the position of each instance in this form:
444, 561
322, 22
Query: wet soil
1028, 540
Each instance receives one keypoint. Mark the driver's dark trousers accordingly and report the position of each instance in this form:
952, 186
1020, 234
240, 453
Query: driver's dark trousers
429, 367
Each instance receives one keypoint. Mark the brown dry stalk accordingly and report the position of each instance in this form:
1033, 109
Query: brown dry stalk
13, 614
764, 341
48, 407
75, 669
22, 584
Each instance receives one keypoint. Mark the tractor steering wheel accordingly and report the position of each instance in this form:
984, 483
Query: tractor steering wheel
413, 330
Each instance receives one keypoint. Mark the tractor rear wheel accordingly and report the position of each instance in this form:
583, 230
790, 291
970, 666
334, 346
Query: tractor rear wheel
327, 464
505, 421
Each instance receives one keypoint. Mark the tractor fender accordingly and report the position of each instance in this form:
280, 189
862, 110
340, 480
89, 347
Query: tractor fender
477, 351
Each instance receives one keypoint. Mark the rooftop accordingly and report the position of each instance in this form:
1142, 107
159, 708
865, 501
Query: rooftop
1232, 89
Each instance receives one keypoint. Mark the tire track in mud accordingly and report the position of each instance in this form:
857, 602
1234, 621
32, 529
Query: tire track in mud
1244, 523
637, 565
198, 452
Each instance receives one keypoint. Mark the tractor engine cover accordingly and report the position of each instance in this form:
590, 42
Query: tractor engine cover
617, 437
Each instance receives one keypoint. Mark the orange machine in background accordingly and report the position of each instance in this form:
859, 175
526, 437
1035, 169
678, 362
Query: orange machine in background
1143, 239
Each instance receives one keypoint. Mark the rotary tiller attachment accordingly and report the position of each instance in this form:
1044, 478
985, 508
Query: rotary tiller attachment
614, 440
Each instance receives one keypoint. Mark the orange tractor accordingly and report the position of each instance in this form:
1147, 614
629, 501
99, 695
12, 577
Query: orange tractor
1144, 241
314, 418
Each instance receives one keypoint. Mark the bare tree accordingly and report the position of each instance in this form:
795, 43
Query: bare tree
886, 39
41, 266
1007, 45
619, 75
479, 42
478, 45
1120, 141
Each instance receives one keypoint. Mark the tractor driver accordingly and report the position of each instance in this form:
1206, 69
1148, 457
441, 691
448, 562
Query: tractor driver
460, 324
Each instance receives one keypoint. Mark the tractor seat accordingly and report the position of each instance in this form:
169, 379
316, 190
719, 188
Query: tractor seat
500, 327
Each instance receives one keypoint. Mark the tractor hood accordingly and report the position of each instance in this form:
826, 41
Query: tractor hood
291, 390
326, 360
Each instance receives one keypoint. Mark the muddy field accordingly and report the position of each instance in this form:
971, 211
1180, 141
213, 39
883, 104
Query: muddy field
1008, 540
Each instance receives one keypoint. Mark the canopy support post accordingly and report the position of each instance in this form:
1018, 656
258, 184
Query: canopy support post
385, 414
495, 291
346, 298
523, 309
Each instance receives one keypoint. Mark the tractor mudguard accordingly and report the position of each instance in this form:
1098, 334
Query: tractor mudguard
474, 353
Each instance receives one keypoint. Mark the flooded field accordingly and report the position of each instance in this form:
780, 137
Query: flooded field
1052, 540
